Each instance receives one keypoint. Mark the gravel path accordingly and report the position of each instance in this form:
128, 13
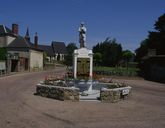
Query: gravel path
19, 108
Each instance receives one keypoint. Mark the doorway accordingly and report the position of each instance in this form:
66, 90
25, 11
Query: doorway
14, 65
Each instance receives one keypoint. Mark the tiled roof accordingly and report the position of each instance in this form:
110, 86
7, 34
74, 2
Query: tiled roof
59, 47
47, 49
5, 31
21, 42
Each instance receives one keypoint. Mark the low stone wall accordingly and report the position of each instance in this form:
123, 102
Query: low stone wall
56, 92
114, 95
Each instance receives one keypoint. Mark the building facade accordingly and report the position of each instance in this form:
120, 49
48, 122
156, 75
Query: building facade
22, 54
55, 52
59, 50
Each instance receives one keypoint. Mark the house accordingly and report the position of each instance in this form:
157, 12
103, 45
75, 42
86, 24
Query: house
153, 66
49, 52
54, 52
22, 54
59, 50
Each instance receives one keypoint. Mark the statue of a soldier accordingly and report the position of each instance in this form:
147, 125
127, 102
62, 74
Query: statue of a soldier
82, 35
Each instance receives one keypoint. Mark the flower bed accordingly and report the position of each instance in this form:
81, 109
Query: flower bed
66, 89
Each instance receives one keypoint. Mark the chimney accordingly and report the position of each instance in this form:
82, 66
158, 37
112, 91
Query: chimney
15, 29
36, 40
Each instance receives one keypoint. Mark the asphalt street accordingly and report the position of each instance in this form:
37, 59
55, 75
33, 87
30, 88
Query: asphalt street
20, 108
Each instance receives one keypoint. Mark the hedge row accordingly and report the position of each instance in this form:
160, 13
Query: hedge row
116, 71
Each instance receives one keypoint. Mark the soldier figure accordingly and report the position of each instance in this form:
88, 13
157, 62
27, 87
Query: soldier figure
82, 35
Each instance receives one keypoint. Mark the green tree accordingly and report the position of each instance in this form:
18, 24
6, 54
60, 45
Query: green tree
142, 50
110, 50
69, 57
160, 24
97, 58
3, 53
115, 53
155, 40
127, 55
96, 49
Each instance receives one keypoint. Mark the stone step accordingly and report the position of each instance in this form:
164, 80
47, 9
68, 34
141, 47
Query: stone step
91, 95
86, 100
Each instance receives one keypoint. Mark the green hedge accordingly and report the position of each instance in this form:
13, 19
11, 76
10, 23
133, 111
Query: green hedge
116, 71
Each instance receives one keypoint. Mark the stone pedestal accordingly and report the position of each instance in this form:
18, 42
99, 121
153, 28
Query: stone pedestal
83, 63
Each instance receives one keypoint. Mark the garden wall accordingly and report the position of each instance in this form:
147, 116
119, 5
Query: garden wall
114, 95
56, 92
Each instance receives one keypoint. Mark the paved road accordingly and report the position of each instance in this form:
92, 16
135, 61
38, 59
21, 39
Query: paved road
19, 108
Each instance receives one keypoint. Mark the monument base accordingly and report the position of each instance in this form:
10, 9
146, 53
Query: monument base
90, 95
83, 63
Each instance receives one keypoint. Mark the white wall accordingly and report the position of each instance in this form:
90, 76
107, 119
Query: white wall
6, 40
36, 60
9, 39
61, 57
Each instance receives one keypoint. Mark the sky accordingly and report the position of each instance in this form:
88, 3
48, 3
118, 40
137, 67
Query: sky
128, 21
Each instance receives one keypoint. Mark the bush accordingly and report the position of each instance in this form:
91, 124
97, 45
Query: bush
3, 53
116, 71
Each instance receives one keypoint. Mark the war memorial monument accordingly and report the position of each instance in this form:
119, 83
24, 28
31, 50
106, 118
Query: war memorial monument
82, 86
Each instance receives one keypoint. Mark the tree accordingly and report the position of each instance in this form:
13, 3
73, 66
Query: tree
97, 57
127, 55
69, 57
3, 53
160, 24
110, 50
115, 53
142, 50
155, 40
96, 49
